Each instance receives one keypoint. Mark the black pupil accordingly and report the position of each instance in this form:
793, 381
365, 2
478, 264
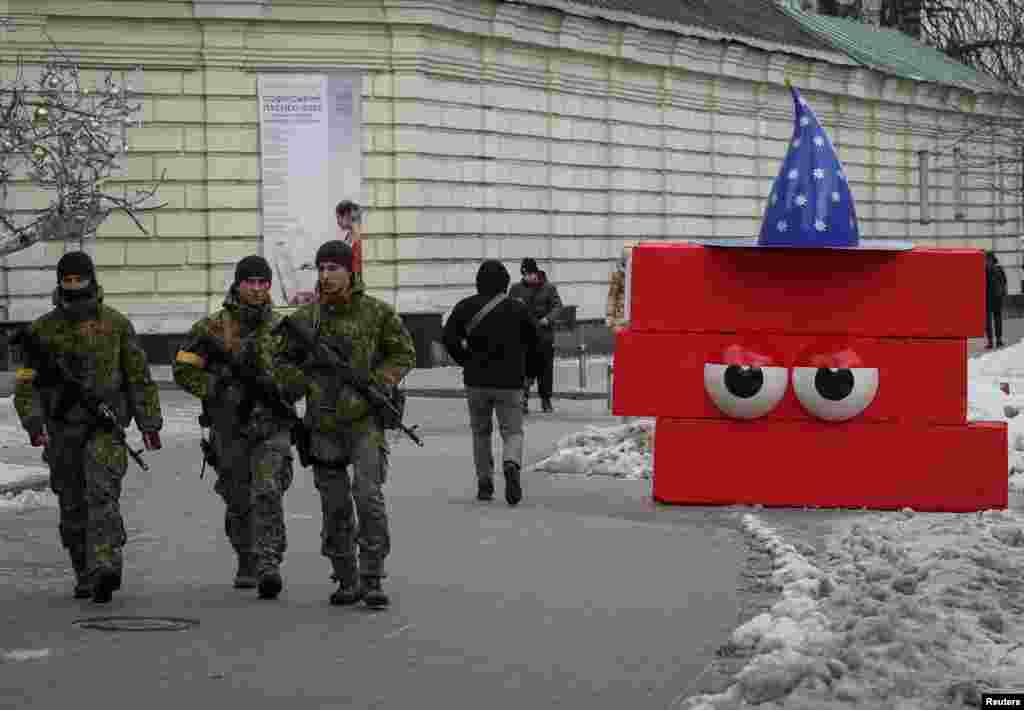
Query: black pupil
834, 385
743, 382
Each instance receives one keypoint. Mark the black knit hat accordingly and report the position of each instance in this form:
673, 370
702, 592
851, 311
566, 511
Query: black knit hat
337, 251
492, 278
529, 266
78, 263
253, 267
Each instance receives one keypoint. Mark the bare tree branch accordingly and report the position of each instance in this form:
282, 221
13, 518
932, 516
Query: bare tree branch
61, 138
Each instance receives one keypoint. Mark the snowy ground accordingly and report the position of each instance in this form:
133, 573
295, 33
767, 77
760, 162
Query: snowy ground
905, 611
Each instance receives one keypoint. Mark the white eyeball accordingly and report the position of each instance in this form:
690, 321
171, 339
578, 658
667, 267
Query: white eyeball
745, 391
835, 394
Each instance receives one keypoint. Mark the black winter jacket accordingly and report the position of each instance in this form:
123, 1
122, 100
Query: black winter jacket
542, 301
497, 348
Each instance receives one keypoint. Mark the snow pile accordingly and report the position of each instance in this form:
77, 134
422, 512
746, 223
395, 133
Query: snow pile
623, 451
27, 500
788, 640
921, 611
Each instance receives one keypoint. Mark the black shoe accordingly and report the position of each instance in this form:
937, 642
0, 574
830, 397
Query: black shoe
83, 590
546, 406
245, 577
270, 585
103, 589
999, 343
485, 490
513, 487
373, 596
526, 403
348, 592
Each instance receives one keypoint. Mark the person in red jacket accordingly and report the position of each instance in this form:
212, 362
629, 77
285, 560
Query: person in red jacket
350, 226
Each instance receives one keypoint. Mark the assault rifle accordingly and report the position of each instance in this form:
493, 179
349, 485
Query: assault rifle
258, 387
53, 371
338, 360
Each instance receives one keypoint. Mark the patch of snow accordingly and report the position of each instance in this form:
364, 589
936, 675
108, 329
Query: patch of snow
27, 500
25, 654
622, 451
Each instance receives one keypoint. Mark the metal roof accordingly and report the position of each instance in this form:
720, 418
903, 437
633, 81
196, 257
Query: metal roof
893, 52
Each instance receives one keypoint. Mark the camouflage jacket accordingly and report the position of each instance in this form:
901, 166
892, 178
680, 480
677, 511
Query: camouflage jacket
221, 392
381, 348
104, 353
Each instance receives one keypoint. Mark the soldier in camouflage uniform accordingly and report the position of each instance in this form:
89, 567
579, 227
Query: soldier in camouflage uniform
98, 346
253, 458
343, 429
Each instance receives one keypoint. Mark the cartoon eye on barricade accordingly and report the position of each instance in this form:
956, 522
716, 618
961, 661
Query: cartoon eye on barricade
808, 366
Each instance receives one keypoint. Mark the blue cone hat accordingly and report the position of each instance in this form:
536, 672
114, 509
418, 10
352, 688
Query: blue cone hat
810, 205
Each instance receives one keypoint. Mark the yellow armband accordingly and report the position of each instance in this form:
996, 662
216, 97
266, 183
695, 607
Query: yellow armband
188, 358
24, 375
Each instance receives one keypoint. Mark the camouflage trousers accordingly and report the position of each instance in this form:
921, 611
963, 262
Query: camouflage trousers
252, 479
86, 473
354, 511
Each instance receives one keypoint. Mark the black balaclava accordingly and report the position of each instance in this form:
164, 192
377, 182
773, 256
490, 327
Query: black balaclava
79, 302
492, 278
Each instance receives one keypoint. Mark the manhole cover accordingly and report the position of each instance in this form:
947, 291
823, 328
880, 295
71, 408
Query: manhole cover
136, 623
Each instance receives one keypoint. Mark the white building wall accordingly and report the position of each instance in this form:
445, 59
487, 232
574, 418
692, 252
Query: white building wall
504, 131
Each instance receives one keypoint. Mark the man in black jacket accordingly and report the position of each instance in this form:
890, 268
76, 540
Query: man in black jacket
544, 305
488, 335
995, 293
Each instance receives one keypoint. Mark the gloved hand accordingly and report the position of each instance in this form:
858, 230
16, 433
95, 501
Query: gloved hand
40, 439
151, 440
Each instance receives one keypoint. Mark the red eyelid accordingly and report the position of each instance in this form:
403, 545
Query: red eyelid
737, 355
842, 359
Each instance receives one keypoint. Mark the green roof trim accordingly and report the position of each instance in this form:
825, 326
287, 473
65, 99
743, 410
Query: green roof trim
893, 52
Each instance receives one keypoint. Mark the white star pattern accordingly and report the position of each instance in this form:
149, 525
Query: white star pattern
819, 224
819, 141
801, 200
782, 226
804, 120
794, 174
819, 174
835, 197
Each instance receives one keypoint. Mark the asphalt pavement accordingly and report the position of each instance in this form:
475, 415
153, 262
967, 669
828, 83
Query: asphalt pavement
585, 595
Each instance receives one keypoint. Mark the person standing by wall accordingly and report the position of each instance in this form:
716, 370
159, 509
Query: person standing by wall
488, 335
544, 305
349, 216
995, 293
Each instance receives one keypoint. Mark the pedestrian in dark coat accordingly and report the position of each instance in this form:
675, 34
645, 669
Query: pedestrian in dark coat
995, 292
542, 301
489, 335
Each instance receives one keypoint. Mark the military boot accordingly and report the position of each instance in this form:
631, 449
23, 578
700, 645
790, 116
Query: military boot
349, 590
270, 585
245, 577
373, 596
105, 582
83, 585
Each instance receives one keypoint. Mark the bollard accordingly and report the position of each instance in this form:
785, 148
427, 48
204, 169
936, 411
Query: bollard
608, 381
581, 354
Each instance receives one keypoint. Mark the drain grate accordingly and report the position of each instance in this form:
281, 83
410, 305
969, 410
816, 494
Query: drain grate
136, 623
